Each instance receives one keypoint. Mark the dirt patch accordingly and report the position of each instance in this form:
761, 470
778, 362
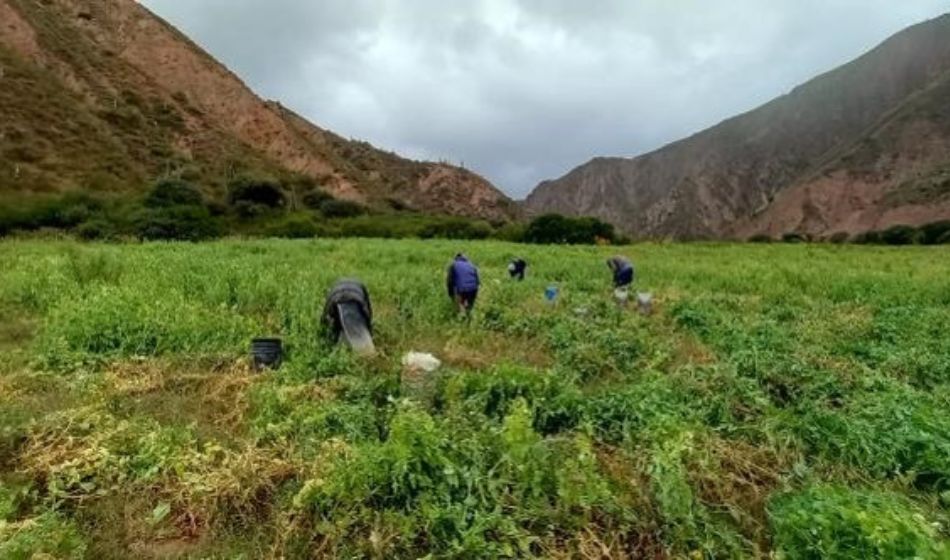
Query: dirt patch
16, 33
16, 330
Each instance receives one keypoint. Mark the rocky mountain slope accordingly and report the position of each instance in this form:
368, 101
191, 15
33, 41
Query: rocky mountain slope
862, 147
105, 96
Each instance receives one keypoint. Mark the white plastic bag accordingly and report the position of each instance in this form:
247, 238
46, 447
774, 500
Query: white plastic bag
622, 296
419, 361
645, 303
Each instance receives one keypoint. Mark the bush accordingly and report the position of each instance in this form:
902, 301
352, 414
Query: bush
171, 192
46, 536
96, 229
868, 238
315, 198
839, 238
295, 227
900, 235
177, 223
459, 228
936, 233
341, 209
254, 191
513, 232
557, 229
65, 212
760, 238
380, 229
828, 522
794, 238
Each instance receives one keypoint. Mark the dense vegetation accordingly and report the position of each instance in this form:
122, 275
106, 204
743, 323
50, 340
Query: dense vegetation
259, 207
175, 210
786, 399
935, 233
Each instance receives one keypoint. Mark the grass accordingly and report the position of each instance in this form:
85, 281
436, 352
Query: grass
784, 400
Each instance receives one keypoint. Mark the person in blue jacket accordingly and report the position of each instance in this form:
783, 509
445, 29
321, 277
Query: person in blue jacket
623, 271
462, 283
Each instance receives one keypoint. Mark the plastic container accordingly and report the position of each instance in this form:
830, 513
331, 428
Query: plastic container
267, 353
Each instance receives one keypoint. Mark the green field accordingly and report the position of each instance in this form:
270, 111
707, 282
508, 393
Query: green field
791, 401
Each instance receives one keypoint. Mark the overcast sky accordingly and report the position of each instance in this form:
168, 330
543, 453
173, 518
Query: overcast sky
525, 90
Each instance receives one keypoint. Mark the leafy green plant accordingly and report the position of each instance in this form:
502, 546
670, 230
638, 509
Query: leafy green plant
45, 536
831, 522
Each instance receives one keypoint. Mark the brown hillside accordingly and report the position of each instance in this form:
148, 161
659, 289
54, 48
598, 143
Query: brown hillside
103, 95
872, 132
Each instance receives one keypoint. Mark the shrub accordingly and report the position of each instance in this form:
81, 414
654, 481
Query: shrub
868, 238
315, 198
839, 238
177, 223
97, 228
456, 229
171, 192
828, 522
294, 227
794, 238
936, 233
249, 210
900, 235
46, 536
760, 238
513, 232
341, 209
65, 212
256, 191
557, 229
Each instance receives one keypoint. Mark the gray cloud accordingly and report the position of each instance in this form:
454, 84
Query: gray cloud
524, 90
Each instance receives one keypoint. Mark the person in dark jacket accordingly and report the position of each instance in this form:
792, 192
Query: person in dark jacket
517, 269
462, 283
348, 316
622, 270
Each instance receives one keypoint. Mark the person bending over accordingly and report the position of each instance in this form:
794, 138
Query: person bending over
462, 283
517, 269
622, 270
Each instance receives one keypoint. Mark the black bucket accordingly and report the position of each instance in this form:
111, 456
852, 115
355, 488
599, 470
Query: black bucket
267, 353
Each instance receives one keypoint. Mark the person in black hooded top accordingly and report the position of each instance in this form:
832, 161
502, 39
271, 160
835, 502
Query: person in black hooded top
348, 314
517, 269
622, 270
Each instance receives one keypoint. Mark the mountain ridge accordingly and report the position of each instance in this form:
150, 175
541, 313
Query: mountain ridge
712, 183
106, 96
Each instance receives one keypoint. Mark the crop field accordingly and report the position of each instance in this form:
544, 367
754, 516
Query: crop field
783, 401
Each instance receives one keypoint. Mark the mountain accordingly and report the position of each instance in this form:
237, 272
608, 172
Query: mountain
863, 147
105, 96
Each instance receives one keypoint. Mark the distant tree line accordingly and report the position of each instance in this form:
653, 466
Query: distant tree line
935, 233
173, 209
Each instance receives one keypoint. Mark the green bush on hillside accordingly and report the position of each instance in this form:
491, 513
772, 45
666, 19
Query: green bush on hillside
63, 212
296, 226
900, 235
936, 233
170, 192
256, 192
333, 208
557, 229
456, 229
315, 198
177, 223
